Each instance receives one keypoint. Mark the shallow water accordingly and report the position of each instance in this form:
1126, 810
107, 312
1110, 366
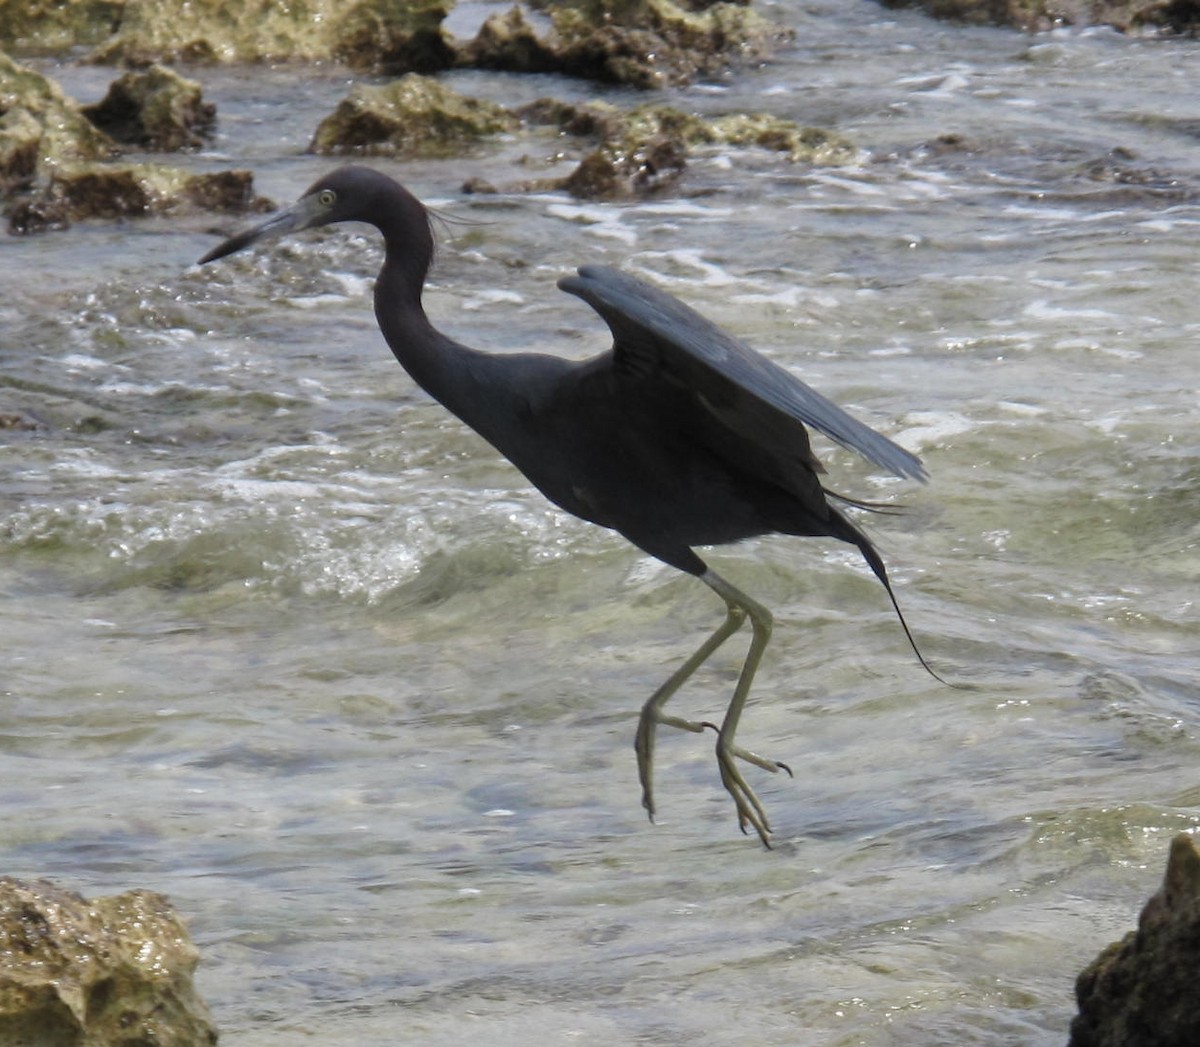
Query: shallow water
284, 641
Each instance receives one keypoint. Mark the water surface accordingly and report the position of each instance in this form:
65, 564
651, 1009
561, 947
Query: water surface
284, 641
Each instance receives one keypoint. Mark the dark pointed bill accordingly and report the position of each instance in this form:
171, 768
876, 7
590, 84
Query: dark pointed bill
298, 216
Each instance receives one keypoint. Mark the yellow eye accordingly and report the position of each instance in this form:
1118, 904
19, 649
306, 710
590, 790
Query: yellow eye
327, 197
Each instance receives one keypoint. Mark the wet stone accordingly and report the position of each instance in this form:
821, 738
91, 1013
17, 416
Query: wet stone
105, 972
39, 127
1141, 991
642, 43
412, 116
156, 110
1040, 15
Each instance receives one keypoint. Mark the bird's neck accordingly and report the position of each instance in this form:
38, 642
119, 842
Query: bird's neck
451, 373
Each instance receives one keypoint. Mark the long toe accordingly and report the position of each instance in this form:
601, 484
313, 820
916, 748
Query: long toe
750, 810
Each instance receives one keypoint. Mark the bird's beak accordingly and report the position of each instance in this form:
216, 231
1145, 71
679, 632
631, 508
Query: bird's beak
305, 212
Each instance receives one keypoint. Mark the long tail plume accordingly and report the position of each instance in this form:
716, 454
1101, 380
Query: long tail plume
853, 535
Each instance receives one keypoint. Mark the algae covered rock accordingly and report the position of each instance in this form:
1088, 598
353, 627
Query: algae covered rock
110, 972
1178, 16
132, 190
1142, 990
394, 36
509, 41
645, 150
48, 26
39, 125
119, 190
156, 109
408, 117
389, 35
643, 43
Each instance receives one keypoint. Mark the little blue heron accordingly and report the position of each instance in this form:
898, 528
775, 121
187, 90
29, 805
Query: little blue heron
678, 436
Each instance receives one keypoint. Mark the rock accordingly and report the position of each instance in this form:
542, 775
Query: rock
157, 110
40, 127
810, 145
644, 43
50, 26
110, 972
394, 36
53, 159
412, 116
130, 190
645, 150
1125, 15
18, 421
510, 42
1141, 991
78, 191
637, 169
391, 36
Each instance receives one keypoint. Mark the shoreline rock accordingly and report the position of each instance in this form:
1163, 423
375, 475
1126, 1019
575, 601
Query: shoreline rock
156, 110
412, 116
105, 972
1141, 991
1126, 16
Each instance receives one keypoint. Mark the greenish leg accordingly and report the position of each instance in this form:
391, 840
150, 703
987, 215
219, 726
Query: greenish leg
749, 807
739, 606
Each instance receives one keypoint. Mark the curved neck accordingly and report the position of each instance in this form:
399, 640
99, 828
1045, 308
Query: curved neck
460, 378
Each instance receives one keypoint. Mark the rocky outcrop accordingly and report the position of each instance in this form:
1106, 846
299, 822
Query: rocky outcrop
109, 972
1178, 16
643, 43
412, 116
156, 110
40, 125
645, 150
1141, 991
389, 36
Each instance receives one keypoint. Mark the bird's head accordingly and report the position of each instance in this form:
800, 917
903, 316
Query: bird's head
345, 195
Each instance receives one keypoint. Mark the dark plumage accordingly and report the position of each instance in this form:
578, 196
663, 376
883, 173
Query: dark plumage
678, 436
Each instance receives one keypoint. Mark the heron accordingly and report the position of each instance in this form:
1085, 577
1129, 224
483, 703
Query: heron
678, 436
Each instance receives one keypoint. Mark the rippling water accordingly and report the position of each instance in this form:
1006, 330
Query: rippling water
283, 640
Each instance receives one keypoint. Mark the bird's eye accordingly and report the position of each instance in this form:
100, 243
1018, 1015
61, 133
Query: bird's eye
327, 197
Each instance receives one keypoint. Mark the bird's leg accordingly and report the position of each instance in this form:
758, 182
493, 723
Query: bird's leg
738, 607
652, 714
749, 808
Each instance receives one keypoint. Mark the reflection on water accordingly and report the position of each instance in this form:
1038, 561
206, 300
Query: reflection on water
285, 642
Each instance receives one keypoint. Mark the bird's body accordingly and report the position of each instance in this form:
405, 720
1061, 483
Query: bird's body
678, 436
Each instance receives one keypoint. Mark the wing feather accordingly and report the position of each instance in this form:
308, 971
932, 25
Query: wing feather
656, 332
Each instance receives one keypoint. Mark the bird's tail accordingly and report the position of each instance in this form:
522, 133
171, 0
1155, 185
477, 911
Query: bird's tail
845, 530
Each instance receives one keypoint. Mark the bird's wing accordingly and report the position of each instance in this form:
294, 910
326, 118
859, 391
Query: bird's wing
655, 332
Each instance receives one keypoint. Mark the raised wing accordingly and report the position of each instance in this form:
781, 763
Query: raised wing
655, 332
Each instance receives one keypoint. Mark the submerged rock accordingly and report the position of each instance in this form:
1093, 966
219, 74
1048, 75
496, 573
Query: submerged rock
412, 116
1125, 15
1141, 991
157, 109
645, 150
109, 972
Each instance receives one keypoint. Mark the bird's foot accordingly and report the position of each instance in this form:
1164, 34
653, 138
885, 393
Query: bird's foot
643, 745
751, 757
750, 810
